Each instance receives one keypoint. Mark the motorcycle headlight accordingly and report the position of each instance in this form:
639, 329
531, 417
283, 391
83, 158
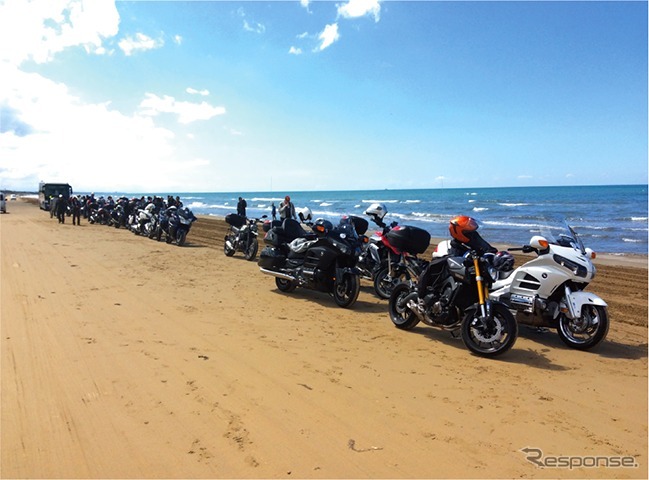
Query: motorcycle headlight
574, 267
185, 221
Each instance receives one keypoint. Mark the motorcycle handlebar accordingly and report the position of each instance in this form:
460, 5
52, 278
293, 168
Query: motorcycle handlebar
524, 249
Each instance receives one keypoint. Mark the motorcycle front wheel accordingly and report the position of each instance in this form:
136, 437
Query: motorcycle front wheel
346, 290
286, 286
586, 331
489, 337
402, 317
228, 250
251, 252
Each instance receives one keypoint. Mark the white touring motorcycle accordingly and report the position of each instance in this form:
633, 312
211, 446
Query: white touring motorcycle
548, 291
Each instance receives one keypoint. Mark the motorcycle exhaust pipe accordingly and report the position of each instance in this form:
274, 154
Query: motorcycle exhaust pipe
278, 274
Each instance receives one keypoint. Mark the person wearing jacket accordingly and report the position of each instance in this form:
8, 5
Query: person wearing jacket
287, 209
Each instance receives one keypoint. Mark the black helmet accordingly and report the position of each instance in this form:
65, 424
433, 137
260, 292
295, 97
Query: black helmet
322, 227
503, 261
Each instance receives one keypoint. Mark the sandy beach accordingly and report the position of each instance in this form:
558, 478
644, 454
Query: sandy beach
123, 357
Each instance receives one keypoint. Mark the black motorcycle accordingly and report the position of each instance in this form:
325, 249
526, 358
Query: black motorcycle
323, 260
242, 236
174, 223
452, 293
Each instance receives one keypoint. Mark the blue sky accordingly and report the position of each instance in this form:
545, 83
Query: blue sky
322, 95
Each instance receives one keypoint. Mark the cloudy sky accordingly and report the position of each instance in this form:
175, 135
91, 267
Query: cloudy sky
242, 96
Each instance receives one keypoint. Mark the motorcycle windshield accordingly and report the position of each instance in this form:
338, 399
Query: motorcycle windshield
559, 232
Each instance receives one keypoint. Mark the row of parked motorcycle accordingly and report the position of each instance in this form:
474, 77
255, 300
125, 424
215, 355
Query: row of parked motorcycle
468, 287
154, 219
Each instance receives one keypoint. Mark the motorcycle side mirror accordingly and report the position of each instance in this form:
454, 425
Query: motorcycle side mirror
540, 243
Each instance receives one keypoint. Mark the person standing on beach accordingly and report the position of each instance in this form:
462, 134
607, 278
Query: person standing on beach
53, 201
273, 212
241, 207
75, 206
61, 207
286, 209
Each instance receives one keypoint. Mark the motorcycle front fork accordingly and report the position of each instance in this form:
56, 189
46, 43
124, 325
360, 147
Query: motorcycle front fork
483, 293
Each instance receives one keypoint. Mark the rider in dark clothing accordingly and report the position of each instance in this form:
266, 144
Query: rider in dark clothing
75, 206
241, 207
61, 207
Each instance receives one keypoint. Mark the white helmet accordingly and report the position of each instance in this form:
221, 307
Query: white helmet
377, 209
304, 214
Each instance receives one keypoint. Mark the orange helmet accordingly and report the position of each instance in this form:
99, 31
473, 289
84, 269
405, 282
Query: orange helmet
460, 226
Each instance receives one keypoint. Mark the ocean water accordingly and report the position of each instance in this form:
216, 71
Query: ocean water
609, 219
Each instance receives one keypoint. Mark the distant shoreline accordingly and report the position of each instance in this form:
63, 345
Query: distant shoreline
604, 258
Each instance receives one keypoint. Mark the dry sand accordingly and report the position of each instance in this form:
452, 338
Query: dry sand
127, 358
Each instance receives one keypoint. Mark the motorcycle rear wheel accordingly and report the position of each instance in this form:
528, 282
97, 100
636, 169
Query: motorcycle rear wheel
384, 284
251, 252
492, 337
586, 331
402, 317
346, 291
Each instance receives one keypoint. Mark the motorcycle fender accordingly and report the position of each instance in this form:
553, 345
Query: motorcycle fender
576, 301
341, 272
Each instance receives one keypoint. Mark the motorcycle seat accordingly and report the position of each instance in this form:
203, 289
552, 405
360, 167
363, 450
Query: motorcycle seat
293, 229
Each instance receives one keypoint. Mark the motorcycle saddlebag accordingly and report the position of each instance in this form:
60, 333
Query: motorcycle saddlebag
409, 239
271, 257
235, 220
274, 236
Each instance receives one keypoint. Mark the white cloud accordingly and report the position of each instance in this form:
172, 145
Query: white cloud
193, 91
39, 30
47, 133
85, 144
328, 36
178, 39
295, 51
187, 112
141, 42
305, 4
360, 8
253, 27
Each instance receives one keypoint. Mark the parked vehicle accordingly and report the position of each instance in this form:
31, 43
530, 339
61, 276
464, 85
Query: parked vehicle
373, 251
548, 291
452, 294
140, 220
323, 260
47, 191
401, 263
242, 236
180, 222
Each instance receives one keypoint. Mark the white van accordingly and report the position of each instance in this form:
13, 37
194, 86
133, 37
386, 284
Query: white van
3, 203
